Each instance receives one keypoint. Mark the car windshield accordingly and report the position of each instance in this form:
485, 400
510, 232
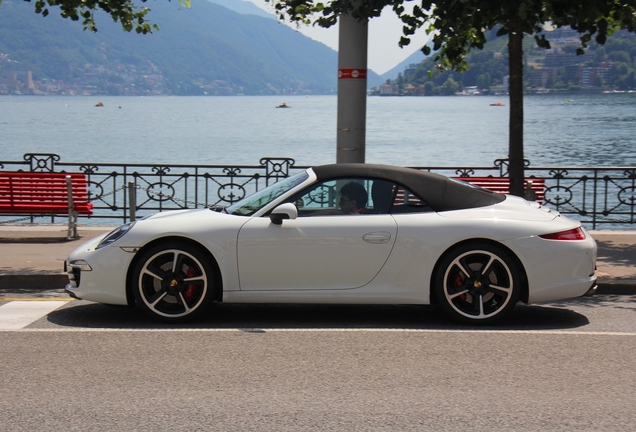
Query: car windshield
249, 205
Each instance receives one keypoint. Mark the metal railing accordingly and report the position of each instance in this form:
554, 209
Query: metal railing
597, 196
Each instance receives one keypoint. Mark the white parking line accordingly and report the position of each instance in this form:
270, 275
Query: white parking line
19, 314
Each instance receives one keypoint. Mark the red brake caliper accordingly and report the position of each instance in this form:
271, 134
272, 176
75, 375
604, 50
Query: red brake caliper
459, 281
192, 289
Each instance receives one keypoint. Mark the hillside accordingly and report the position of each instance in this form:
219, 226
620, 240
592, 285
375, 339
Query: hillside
207, 49
609, 67
415, 58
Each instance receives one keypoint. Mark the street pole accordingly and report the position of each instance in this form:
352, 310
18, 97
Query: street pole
352, 90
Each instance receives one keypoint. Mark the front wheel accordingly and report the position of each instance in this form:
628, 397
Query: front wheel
173, 283
477, 284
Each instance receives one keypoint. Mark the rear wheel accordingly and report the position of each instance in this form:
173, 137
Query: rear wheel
173, 282
477, 284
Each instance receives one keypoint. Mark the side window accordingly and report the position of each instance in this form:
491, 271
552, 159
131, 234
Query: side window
322, 196
382, 196
334, 197
407, 202
389, 197
355, 196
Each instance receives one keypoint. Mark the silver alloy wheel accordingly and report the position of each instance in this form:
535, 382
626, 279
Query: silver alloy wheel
478, 286
173, 284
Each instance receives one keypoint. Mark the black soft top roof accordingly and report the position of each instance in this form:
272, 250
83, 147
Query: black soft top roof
439, 192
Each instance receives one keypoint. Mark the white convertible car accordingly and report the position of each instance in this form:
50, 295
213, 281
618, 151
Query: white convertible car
343, 234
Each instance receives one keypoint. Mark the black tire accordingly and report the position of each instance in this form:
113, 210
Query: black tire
173, 282
477, 283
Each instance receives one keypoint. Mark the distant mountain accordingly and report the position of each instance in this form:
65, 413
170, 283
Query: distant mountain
244, 7
207, 49
415, 58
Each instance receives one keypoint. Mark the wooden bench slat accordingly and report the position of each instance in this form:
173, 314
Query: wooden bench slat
502, 185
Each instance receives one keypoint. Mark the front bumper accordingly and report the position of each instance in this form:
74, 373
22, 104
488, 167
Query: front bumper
98, 275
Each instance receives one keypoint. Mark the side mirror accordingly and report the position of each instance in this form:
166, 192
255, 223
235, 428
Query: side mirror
282, 212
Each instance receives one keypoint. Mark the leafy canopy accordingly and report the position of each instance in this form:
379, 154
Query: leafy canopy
126, 12
458, 26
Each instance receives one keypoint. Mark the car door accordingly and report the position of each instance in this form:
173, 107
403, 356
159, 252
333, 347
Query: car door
331, 252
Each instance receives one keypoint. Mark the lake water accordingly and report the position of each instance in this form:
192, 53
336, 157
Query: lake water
559, 130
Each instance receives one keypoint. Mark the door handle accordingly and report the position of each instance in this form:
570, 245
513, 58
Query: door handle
378, 237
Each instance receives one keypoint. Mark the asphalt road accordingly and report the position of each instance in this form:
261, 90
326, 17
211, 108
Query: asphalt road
569, 366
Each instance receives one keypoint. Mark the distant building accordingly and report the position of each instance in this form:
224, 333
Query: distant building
542, 77
414, 90
471, 91
560, 60
17, 82
386, 90
590, 77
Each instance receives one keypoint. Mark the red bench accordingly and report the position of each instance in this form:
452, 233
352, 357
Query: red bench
534, 187
40, 193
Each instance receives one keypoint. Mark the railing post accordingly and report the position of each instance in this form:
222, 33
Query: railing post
132, 200
529, 193
594, 197
72, 215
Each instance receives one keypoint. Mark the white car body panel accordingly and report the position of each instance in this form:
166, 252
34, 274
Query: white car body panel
101, 284
297, 254
194, 225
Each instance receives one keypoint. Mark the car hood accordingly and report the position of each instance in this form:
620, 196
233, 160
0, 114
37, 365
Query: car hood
184, 214
193, 223
191, 219
512, 208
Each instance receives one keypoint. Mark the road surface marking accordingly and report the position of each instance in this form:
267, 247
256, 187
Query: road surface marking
19, 314
10, 299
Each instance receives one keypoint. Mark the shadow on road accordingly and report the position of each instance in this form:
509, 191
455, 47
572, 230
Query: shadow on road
256, 318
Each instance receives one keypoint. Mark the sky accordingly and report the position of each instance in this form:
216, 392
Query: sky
384, 52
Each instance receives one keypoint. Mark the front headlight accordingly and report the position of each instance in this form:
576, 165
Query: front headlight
115, 235
80, 264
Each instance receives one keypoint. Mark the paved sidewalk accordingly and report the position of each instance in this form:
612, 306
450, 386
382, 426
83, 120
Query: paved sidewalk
32, 257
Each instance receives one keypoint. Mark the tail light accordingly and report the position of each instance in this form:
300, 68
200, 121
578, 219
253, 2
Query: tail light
573, 234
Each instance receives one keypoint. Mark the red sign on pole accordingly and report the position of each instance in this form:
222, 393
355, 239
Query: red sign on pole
352, 74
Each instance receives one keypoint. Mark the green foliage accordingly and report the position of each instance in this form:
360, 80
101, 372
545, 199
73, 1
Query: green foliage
126, 12
325, 14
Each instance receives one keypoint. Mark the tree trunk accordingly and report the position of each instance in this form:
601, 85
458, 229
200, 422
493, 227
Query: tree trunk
515, 67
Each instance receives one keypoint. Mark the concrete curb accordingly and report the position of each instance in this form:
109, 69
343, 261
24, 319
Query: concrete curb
616, 288
33, 281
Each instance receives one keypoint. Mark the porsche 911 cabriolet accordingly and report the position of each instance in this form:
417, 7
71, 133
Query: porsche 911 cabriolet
343, 234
